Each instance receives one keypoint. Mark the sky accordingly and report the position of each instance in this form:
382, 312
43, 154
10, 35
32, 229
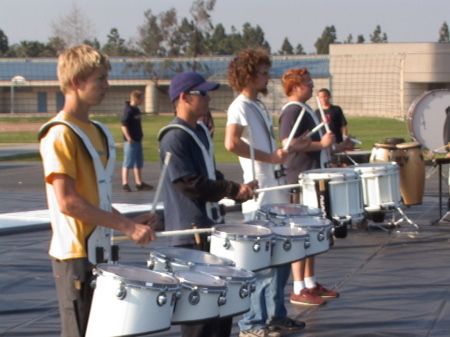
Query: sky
301, 21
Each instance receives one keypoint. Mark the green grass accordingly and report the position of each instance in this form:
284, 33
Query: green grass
368, 130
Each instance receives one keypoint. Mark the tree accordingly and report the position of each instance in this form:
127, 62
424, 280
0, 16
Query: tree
116, 46
254, 37
151, 36
74, 28
202, 26
323, 43
286, 48
3, 43
444, 34
360, 39
299, 50
349, 39
377, 36
56, 44
31, 49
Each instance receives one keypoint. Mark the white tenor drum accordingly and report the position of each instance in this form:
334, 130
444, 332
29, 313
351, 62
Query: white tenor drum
248, 246
171, 259
426, 119
412, 172
240, 284
276, 213
381, 185
131, 301
289, 244
202, 295
336, 191
319, 230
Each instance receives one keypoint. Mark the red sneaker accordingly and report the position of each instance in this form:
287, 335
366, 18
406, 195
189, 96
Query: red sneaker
306, 298
321, 291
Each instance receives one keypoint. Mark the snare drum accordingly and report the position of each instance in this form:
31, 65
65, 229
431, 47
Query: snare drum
412, 172
319, 230
336, 191
276, 213
202, 295
171, 259
130, 300
289, 244
240, 284
381, 185
249, 246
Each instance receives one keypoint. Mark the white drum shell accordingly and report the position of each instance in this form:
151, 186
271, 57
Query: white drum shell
381, 185
240, 284
276, 213
209, 289
172, 259
138, 312
319, 230
344, 188
248, 246
289, 244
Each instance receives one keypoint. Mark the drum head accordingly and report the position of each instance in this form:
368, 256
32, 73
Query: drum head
192, 256
410, 145
290, 210
426, 119
199, 279
289, 232
242, 230
226, 273
136, 275
309, 223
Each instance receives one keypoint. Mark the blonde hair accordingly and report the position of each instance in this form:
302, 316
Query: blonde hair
79, 62
136, 95
292, 78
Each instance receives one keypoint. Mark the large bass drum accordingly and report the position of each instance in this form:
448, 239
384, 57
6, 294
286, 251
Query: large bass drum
426, 119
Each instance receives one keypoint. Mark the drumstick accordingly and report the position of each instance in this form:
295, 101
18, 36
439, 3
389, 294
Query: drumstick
322, 115
275, 188
252, 152
170, 233
294, 129
313, 131
352, 139
161, 181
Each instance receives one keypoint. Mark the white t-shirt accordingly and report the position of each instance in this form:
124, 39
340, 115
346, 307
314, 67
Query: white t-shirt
249, 114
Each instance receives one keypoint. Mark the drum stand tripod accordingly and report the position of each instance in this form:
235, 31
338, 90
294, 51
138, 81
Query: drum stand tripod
393, 222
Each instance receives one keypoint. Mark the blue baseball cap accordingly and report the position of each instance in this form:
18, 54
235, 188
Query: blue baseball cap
189, 81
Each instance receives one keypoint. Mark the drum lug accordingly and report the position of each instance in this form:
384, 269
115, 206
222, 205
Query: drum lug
222, 299
307, 243
287, 245
168, 267
321, 235
226, 244
151, 263
243, 292
93, 283
161, 299
121, 292
257, 246
194, 297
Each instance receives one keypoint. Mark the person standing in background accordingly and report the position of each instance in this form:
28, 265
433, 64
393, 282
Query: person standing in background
133, 155
334, 115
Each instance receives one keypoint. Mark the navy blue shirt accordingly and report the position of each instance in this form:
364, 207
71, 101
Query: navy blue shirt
131, 118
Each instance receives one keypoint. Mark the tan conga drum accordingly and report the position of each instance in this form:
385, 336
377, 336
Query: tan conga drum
412, 172
382, 152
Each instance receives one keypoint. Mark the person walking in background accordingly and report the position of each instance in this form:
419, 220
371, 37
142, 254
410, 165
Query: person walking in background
192, 186
133, 156
334, 115
250, 125
78, 157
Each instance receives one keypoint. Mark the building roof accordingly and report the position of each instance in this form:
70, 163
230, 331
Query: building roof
35, 69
